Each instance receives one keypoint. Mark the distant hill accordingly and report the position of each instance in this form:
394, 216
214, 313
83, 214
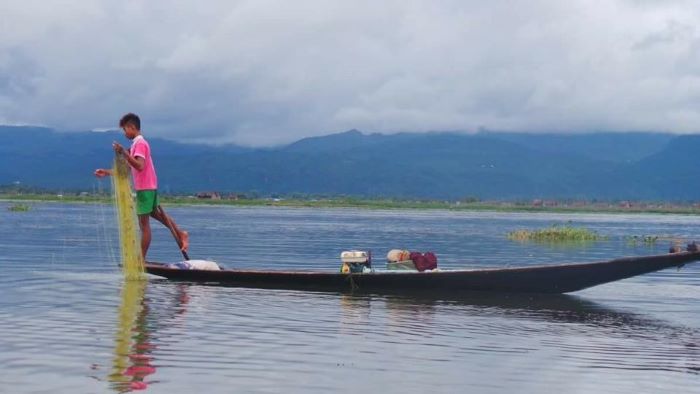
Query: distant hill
674, 172
485, 165
45, 158
613, 147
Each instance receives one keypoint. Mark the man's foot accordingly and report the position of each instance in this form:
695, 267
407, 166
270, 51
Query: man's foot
184, 241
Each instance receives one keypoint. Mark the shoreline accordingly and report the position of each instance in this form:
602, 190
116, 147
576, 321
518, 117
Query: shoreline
486, 206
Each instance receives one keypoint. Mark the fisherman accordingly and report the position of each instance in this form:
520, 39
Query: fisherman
145, 183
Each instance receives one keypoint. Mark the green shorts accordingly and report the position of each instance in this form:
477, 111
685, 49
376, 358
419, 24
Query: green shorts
146, 201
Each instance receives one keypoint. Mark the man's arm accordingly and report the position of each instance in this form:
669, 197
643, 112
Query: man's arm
136, 162
102, 172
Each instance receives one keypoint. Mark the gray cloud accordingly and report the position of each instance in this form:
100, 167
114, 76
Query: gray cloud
268, 72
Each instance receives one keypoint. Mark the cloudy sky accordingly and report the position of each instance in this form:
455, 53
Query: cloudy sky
265, 72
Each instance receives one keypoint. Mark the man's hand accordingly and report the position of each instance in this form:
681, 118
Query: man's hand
118, 148
101, 172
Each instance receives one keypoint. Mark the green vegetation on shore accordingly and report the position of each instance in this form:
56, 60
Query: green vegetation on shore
470, 204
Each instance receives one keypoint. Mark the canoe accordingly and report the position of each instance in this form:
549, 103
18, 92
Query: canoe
560, 278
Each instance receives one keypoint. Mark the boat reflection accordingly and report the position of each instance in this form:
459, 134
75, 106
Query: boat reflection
484, 322
558, 308
355, 311
655, 343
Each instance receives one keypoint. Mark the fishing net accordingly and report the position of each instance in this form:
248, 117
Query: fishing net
132, 260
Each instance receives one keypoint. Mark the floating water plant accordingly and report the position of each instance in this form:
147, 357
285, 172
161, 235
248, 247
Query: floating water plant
556, 233
19, 207
652, 240
648, 240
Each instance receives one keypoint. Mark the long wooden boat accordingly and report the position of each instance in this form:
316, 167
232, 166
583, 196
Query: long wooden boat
561, 278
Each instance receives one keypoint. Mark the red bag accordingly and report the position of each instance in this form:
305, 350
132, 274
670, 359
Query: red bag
431, 259
423, 262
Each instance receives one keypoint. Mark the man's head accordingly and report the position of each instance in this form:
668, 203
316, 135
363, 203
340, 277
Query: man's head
131, 124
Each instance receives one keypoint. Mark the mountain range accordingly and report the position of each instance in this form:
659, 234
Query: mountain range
436, 165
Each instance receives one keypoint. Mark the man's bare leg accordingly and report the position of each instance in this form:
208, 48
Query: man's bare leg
145, 226
181, 237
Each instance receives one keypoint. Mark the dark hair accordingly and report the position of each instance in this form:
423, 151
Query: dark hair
131, 119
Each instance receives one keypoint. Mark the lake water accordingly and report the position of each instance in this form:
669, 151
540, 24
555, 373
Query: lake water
70, 324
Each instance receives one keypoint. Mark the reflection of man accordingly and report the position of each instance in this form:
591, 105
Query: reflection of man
141, 349
133, 352
132, 359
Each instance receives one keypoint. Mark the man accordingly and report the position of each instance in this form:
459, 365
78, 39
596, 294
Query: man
145, 183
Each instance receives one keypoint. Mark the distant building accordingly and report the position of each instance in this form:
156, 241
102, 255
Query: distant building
544, 203
209, 195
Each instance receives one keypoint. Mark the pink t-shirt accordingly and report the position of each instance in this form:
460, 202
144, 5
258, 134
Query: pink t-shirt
146, 178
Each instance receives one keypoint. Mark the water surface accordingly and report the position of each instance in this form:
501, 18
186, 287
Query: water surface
70, 324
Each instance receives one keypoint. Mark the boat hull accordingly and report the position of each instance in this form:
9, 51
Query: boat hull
563, 278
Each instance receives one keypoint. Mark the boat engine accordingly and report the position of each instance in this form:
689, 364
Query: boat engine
355, 261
